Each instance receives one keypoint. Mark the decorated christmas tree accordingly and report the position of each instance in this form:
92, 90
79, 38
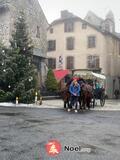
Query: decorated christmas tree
19, 77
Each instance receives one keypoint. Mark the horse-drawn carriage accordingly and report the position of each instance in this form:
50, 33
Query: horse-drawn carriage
90, 92
98, 91
98, 94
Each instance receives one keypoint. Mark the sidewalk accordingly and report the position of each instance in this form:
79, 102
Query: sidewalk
111, 105
45, 104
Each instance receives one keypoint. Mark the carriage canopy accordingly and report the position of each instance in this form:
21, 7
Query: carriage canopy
89, 75
101, 76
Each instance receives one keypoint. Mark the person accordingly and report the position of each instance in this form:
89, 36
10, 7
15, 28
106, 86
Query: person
98, 85
116, 93
98, 89
74, 90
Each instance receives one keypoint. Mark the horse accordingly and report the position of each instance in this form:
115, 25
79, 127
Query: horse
84, 99
86, 95
65, 94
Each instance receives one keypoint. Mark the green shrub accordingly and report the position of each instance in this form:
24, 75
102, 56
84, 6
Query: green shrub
51, 82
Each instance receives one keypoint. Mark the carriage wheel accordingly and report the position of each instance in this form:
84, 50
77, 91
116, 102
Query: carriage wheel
102, 100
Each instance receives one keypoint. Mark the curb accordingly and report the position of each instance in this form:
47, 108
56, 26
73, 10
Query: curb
50, 97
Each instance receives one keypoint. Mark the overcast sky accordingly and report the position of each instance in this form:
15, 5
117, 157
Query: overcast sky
52, 8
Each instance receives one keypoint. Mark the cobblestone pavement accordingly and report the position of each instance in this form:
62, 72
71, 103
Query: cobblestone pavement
25, 131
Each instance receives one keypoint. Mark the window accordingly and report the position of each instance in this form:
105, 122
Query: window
68, 26
52, 63
51, 30
38, 32
51, 45
70, 62
70, 43
93, 61
84, 26
91, 42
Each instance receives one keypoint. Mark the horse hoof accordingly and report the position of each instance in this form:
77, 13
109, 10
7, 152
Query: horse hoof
76, 111
69, 110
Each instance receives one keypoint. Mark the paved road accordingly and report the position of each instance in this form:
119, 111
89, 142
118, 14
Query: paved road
25, 131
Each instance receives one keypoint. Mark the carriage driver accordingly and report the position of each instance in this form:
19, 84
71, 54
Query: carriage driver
74, 90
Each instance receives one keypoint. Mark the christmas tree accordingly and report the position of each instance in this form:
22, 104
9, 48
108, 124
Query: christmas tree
6, 74
19, 77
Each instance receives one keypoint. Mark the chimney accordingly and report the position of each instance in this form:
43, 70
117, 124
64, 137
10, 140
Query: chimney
66, 14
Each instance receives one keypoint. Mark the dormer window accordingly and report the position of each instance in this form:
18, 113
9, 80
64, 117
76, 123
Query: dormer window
68, 26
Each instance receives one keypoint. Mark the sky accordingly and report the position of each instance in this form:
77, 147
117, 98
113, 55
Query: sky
80, 8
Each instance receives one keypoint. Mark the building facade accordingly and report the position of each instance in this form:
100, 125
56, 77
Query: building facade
37, 27
74, 43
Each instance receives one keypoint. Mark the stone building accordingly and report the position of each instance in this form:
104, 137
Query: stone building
90, 43
37, 26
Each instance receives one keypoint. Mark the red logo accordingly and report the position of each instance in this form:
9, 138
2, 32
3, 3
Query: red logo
53, 148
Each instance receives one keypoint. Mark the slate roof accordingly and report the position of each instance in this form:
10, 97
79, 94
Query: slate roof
76, 18
97, 21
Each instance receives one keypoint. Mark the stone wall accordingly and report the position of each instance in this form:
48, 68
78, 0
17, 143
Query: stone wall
36, 21
37, 27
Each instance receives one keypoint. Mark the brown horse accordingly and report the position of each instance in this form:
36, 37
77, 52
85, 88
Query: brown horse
65, 94
86, 95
